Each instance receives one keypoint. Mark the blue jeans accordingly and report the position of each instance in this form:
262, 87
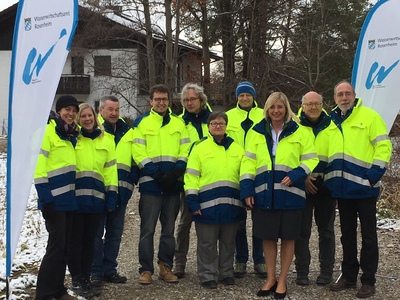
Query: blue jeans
106, 251
152, 207
242, 247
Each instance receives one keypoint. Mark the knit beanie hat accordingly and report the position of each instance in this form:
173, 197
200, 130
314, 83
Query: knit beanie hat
66, 100
245, 87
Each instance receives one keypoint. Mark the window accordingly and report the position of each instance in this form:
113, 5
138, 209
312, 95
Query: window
102, 65
77, 65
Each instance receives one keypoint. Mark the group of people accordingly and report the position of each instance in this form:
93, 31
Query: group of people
212, 167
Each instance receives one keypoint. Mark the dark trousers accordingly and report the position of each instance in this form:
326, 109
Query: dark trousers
81, 250
242, 247
365, 209
107, 249
50, 280
323, 207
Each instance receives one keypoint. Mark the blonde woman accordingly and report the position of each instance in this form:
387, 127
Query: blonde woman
279, 156
96, 192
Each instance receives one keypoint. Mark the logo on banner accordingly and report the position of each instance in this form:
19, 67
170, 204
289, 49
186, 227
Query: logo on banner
371, 44
36, 63
28, 24
379, 76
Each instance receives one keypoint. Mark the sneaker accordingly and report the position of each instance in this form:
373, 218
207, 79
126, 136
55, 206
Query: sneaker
145, 278
179, 271
302, 280
239, 270
115, 278
366, 291
96, 280
166, 273
260, 270
342, 284
324, 279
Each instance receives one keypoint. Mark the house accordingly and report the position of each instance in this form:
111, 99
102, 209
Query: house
108, 56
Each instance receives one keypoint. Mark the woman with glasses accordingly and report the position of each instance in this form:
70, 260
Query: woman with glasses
280, 155
212, 195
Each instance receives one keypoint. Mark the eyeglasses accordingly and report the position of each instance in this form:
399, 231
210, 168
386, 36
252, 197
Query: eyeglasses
216, 124
192, 99
318, 104
158, 100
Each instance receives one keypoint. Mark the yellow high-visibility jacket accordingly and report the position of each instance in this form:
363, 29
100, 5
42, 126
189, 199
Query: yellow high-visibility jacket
241, 121
55, 171
261, 174
161, 145
96, 172
359, 155
212, 181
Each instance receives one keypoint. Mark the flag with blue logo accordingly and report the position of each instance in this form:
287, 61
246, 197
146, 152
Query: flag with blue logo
43, 35
376, 69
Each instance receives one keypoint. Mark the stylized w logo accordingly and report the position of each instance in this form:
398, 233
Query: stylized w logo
28, 70
380, 75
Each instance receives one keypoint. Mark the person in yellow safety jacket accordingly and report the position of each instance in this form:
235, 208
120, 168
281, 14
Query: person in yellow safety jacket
241, 119
319, 203
96, 192
55, 185
280, 154
357, 161
112, 224
195, 114
213, 198
161, 147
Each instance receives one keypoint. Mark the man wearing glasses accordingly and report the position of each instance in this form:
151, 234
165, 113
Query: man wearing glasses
160, 149
195, 114
241, 119
318, 200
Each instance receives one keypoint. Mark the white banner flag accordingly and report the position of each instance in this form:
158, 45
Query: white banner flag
42, 38
376, 70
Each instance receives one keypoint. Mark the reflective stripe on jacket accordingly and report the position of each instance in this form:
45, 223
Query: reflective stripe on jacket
295, 157
96, 174
359, 155
55, 171
161, 144
212, 181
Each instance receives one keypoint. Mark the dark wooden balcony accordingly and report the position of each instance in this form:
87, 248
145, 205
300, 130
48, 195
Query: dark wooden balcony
74, 84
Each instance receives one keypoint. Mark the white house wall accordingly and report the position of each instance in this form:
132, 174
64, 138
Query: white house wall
5, 62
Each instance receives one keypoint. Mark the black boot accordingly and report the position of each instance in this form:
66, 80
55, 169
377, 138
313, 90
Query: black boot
80, 287
96, 291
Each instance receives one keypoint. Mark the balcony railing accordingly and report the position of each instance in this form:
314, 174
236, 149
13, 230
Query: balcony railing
74, 84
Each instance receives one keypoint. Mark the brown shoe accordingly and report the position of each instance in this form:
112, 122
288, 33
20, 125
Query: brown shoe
366, 291
179, 271
342, 284
166, 274
145, 279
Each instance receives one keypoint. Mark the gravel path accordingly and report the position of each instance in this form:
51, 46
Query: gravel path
245, 288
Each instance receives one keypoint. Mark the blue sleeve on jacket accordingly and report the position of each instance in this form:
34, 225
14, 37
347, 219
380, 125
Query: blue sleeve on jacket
112, 197
193, 203
44, 193
297, 176
247, 188
375, 174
